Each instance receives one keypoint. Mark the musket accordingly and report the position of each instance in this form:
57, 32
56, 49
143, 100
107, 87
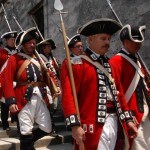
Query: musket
55, 90
58, 6
113, 11
140, 58
5, 15
51, 53
43, 39
37, 28
52, 86
17, 23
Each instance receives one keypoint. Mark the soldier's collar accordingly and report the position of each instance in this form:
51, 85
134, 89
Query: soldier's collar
94, 56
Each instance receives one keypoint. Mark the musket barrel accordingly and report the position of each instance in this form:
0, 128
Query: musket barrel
17, 23
37, 28
5, 16
117, 18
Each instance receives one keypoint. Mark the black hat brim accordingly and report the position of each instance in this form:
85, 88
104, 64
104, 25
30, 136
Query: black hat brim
11, 34
27, 35
47, 42
73, 40
97, 26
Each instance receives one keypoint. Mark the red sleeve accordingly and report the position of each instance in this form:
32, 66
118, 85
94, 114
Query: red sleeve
68, 105
8, 77
3, 57
67, 98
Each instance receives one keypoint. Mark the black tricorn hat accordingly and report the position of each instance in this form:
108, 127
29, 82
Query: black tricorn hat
18, 38
26, 36
47, 42
73, 40
11, 34
102, 25
133, 33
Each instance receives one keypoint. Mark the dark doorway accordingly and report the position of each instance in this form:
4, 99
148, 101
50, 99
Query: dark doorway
39, 19
38, 15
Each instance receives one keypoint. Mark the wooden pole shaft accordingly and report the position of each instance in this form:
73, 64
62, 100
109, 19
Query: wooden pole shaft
81, 147
70, 69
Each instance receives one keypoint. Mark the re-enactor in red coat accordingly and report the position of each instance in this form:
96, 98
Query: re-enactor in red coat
5, 53
75, 45
45, 49
101, 106
130, 71
29, 97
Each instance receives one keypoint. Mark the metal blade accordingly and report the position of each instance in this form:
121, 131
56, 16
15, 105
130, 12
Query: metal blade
109, 3
58, 5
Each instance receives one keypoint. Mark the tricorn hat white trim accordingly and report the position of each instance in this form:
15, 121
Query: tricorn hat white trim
133, 38
7, 33
47, 41
23, 35
17, 40
77, 36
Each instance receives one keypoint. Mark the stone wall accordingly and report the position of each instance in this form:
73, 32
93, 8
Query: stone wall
79, 12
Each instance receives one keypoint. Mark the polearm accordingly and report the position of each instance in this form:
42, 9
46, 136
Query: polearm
113, 11
55, 88
59, 27
58, 6
144, 65
117, 18
43, 39
5, 15
17, 23
38, 29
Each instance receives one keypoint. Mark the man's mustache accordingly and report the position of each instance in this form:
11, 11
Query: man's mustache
106, 46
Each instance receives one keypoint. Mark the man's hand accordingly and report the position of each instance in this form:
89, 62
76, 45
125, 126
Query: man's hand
13, 108
135, 121
79, 135
132, 129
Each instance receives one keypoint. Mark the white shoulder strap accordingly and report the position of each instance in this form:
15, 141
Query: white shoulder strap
137, 67
132, 86
4, 65
99, 66
7, 50
10, 52
135, 79
44, 58
31, 59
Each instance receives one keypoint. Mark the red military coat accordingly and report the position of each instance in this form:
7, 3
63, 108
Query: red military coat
4, 55
23, 91
125, 72
86, 83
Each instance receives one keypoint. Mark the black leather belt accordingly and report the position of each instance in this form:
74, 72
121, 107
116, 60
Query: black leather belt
111, 110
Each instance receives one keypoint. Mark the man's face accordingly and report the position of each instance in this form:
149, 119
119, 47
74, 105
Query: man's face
99, 43
10, 42
47, 49
132, 47
77, 49
29, 47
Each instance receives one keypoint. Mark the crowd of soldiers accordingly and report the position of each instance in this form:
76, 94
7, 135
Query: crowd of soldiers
113, 94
